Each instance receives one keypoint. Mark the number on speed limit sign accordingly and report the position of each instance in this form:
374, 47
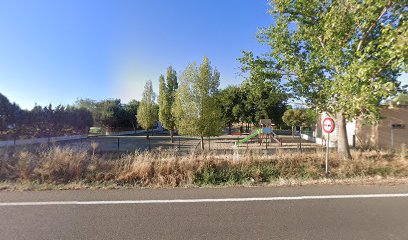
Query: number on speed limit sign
328, 125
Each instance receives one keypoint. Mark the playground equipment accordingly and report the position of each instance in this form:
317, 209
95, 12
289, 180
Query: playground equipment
265, 132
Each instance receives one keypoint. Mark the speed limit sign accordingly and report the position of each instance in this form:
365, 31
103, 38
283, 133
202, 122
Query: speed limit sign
328, 125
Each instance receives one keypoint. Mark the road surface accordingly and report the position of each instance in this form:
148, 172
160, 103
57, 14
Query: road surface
308, 212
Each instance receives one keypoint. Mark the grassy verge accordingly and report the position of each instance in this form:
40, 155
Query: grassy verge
67, 168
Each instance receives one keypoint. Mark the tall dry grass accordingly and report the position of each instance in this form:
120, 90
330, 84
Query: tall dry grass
61, 165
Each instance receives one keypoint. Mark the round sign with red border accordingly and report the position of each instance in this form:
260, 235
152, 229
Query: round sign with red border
328, 125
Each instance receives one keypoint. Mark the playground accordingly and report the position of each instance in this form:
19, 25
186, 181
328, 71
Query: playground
262, 138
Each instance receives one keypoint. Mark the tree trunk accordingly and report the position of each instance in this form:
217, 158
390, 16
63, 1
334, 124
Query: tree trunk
229, 128
343, 147
148, 138
293, 132
171, 136
202, 143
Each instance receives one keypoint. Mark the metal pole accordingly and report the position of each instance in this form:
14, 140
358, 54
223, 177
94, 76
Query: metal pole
300, 139
392, 136
327, 154
118, 145
179, 142
266, 143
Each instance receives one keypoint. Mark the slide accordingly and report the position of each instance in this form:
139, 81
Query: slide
253, 134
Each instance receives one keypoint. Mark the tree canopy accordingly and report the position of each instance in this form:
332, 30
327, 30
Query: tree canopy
196, 108
147, 111
342, 57
266, 96
167, 91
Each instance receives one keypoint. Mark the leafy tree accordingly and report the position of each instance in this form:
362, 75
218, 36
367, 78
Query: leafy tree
230, 100
41, 121
343, 57
7, 111
111, 113
299, 117
265, 94
196, 108
131, 109
167, 92
147, 111
401, 99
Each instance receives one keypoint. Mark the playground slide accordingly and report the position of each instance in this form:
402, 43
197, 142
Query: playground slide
255, 133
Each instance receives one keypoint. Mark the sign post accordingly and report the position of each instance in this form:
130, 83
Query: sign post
328, 127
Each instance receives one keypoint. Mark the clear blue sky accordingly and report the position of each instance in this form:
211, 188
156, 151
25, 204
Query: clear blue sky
58, 51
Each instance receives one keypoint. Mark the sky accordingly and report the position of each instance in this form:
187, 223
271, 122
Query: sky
59, 51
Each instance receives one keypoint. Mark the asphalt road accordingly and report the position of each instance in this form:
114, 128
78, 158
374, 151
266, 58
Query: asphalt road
350, 212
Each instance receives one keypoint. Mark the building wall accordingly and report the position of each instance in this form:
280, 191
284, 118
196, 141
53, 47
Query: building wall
390, 132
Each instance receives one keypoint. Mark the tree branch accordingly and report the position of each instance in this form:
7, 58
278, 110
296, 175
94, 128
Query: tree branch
321, 41
372, 26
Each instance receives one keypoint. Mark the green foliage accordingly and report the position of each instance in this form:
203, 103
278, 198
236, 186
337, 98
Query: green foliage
167, 91
111, 113
41, 121
300, 117
131, 111
196, 108
400, 100
231, 100
8, 113
265, 96
341, 56
147, 111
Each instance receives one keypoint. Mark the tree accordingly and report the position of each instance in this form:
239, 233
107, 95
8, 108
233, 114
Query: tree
196, 108
230, 102
167, 92
299, 117
111, 113
401, 99
342, 57
147, 112
265, 94
131, 109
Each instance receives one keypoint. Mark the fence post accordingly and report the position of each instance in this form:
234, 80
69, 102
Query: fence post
118, 145
300, 138
266, 143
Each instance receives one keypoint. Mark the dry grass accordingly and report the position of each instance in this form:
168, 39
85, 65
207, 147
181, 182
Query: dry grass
82, 167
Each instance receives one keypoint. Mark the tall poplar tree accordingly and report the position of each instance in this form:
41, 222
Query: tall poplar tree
147, 111
167, 93
196, 108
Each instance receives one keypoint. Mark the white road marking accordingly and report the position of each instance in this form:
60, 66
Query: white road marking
210, 200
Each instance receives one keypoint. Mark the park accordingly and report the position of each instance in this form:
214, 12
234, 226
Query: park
204, 119
279, 109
